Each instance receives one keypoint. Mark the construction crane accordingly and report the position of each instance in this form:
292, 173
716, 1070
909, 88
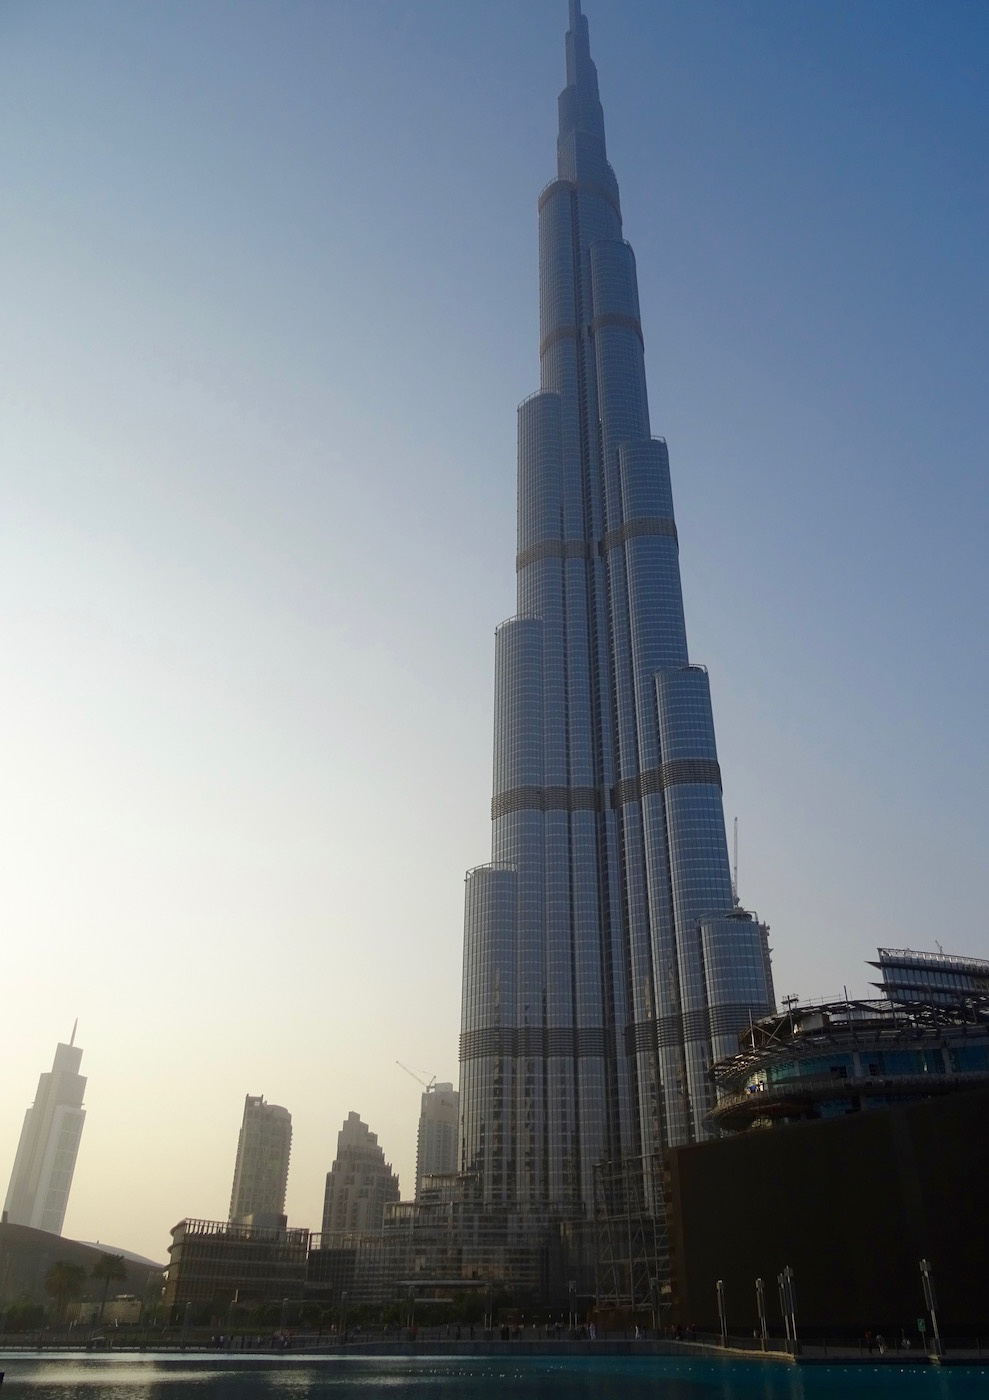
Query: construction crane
418, 1076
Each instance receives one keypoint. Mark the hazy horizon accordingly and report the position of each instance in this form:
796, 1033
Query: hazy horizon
271, 302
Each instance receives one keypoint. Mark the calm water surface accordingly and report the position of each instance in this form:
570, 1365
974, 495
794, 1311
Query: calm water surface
474, 1378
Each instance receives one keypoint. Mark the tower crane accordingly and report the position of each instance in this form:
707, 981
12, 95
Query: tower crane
417, 1076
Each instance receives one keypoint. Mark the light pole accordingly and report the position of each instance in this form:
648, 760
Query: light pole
783, 1311
722, 1316
412, 1314
654, 1303
489, 1307
573, 1305
930, 1298
185, 1320
760, 1303
788, 1304
343, 1316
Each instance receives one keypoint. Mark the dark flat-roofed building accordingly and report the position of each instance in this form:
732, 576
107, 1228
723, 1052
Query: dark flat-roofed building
851, 1204
214, 1262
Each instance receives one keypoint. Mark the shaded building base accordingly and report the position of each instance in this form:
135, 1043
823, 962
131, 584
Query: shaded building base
27, 1254
213, 1264
851, 1204
451, 1240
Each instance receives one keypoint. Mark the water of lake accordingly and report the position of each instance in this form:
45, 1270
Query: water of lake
169, 1377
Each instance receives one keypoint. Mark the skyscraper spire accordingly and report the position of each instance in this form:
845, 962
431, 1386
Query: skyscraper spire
605, 965
580, 105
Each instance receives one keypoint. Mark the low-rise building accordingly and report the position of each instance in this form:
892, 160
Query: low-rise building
851, 1204
213, 1263
823, 1060
853, 1145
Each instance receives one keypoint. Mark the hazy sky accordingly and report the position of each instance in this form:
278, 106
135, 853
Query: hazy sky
269, 302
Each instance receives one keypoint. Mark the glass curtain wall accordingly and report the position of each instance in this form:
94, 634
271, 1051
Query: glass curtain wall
589, 1010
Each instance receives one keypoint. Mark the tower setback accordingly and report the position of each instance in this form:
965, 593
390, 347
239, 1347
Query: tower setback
359, 1185
606, 964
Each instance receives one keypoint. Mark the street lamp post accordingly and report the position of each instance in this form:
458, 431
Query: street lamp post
573, 1305
783, 1311
722, 1316
930, 1298
788, 1304
343, 1316
760, 1302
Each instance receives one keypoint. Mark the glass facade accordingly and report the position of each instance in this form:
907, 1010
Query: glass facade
605, 963
942, 979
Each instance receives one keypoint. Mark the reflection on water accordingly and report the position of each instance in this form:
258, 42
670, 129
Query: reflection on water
474, 1378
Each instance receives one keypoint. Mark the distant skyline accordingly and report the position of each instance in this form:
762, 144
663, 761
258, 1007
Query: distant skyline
270, 305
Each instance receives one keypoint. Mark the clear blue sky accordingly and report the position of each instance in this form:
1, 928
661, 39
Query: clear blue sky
269, 303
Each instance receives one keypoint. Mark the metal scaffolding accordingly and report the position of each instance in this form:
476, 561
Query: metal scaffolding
632, 1251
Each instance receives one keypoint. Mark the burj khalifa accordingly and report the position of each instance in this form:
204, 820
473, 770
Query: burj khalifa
606, 961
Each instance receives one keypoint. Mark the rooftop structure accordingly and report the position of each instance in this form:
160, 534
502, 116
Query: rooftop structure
943, 979
832, 1058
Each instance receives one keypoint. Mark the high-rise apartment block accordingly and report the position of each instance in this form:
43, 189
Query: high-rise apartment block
46, 1153
261, 1173
436, 1151
606, 965
358, 1186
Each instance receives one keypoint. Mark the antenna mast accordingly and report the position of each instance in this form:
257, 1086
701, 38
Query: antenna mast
734, 869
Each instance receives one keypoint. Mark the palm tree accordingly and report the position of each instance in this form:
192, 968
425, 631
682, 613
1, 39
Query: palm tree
111, 1269
64, 1282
